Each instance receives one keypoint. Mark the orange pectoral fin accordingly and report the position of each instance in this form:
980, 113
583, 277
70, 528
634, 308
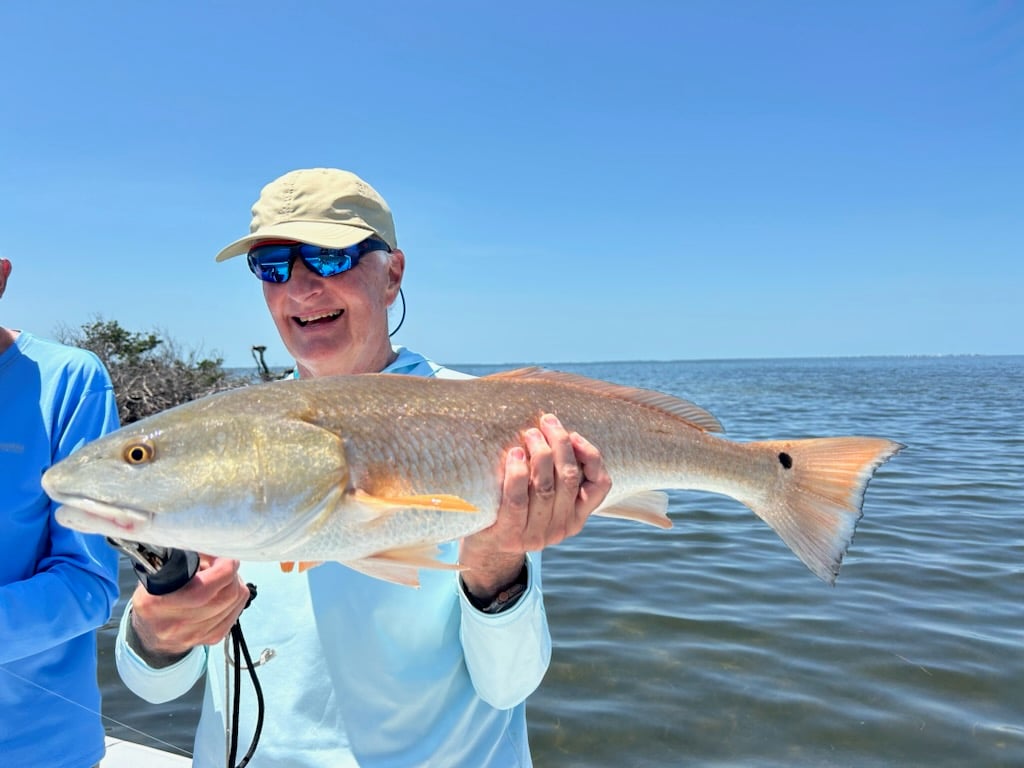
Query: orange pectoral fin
288, 566
442, 502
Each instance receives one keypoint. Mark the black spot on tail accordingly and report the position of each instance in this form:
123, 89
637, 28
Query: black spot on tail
786, 460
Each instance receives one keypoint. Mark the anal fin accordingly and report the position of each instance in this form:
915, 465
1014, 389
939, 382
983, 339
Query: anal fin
401, 565
649, 507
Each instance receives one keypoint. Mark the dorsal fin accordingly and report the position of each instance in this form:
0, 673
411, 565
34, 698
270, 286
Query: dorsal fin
689, 412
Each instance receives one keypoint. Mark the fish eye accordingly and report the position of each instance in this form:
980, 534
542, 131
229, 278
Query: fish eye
140, 452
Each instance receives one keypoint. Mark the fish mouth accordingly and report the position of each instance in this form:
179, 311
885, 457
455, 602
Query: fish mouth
318, 317
92, 516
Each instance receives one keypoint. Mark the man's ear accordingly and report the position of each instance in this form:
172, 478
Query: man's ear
396, 270
5, 272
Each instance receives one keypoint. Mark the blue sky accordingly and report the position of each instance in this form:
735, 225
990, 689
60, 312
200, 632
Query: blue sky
571, 181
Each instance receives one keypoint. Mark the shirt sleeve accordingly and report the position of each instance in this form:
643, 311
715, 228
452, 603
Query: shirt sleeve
74, 587
155, 685
507, 654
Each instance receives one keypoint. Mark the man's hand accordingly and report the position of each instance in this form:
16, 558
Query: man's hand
550, 488
200, 613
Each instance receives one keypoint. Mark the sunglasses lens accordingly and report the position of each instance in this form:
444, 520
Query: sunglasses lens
271, 263
327, 262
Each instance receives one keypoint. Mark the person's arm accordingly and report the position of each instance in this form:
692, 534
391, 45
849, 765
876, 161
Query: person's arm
507, 653
549, 491
72, 592
161, 642
150, 677
74, 587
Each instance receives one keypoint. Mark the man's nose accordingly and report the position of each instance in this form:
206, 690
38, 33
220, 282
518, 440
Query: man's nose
303, 280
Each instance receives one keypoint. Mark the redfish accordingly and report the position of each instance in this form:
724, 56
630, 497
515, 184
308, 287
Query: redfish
375, 470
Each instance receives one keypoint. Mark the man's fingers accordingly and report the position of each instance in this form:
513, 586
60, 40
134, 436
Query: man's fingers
596, 482
200, 613
567, 478
568, 475
515, 497
542, 476
542, 490
217, 626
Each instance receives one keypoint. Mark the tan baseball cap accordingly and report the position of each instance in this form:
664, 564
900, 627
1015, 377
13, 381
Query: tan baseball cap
322, 206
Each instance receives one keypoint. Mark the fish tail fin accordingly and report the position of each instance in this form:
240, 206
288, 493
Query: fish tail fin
816, 503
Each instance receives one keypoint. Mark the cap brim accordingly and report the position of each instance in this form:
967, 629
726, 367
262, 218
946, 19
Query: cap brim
324, 234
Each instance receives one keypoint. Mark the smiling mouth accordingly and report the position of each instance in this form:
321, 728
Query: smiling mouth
323, 317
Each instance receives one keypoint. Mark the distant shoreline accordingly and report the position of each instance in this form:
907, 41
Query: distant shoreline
253, 371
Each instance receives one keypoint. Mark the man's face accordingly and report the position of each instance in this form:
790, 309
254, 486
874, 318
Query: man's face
337, 325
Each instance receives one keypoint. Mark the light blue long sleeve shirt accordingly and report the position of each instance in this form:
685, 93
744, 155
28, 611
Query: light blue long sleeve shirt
56, 585
361, 672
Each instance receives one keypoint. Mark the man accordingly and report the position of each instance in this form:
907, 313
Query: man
56, 585
357, 671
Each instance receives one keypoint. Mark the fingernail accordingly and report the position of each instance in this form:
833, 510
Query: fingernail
550, 420
517, 454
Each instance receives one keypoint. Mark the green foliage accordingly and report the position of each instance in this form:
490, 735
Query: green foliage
147, 369
115, 345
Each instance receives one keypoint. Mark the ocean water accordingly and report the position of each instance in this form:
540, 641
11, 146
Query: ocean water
711, 645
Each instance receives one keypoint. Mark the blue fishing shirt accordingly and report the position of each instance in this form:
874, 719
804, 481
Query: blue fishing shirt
360, 672
56, 585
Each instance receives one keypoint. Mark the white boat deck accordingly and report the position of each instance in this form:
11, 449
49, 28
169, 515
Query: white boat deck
126, 754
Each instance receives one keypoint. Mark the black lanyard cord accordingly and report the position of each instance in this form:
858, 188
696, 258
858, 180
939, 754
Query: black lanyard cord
241, 651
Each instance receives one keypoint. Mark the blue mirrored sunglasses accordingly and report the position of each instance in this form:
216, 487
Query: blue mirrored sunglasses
272, 263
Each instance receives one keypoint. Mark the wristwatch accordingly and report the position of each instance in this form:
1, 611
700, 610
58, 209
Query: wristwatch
507, 597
